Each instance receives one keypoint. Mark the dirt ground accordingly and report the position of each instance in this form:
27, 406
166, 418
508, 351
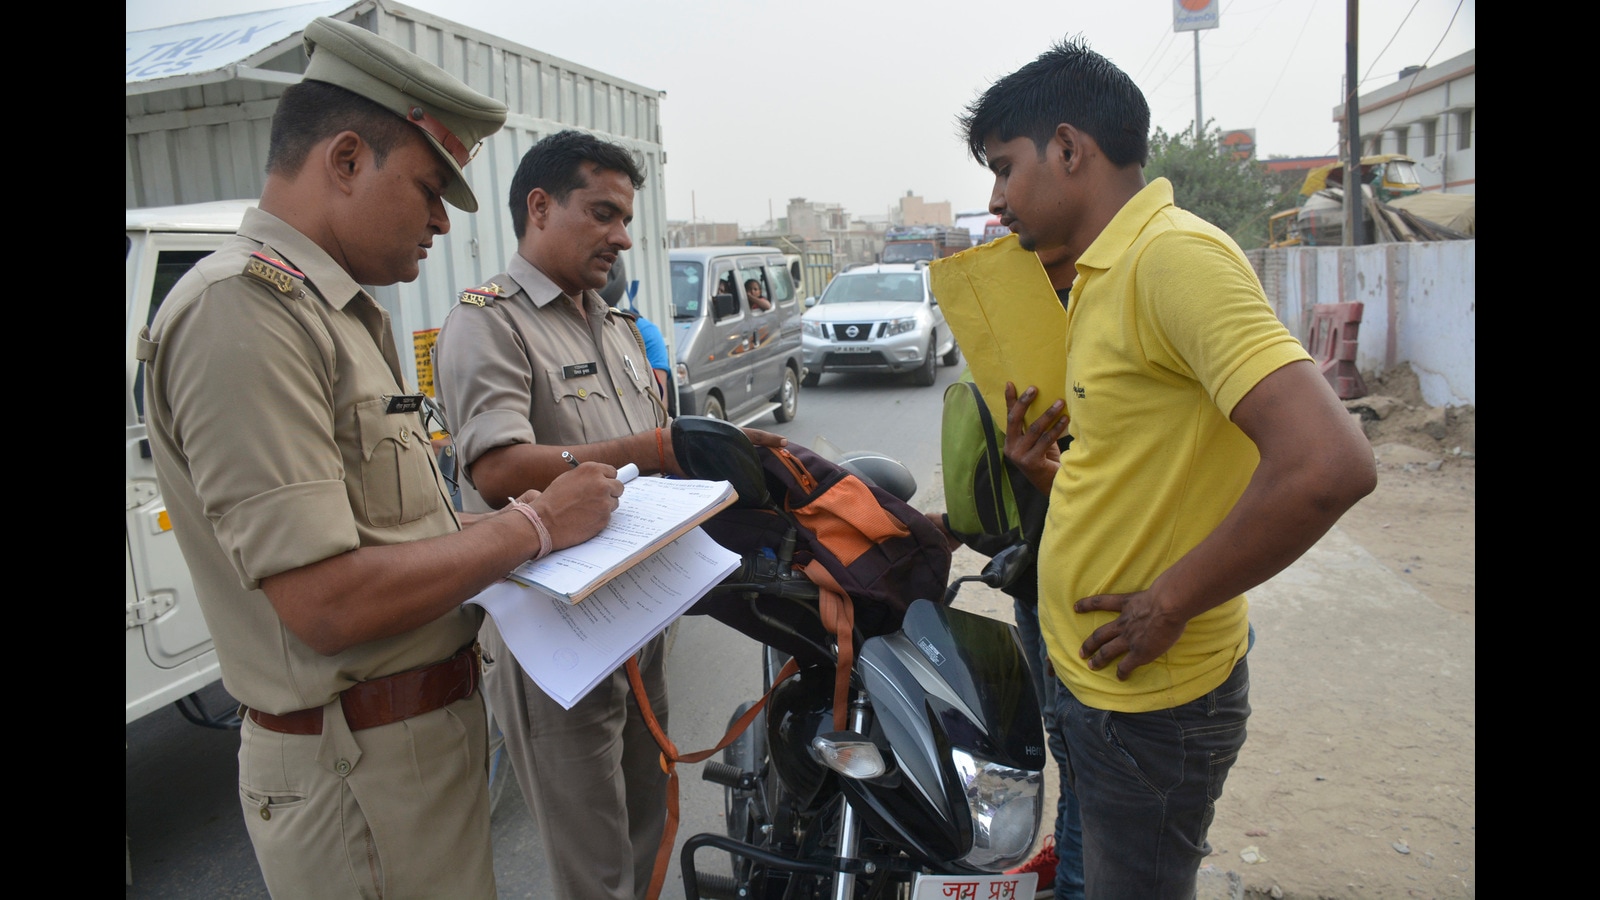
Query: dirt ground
1420, 520
1364, 784
1358, 778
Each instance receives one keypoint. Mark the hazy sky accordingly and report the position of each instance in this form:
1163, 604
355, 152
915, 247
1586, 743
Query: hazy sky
856, 102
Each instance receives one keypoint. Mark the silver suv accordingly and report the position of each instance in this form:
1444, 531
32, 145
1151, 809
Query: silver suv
880, 318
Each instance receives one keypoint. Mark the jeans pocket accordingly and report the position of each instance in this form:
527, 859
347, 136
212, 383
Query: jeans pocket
1150, 745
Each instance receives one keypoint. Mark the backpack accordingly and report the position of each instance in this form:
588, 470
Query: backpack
880, 551
989, 504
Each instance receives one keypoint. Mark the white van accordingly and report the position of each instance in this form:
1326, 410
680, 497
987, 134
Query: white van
169, 652
738, 358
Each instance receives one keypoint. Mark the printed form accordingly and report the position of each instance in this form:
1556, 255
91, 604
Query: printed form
566, 648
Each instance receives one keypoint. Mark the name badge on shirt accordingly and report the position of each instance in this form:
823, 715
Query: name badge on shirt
404, 403
578, 370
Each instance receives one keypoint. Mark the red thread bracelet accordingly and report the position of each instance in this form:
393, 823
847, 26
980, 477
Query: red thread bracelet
661, 452
538, 525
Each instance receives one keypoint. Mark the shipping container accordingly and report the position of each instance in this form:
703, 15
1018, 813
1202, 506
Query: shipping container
200, 98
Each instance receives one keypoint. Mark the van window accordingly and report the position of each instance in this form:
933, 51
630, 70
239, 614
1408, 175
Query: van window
757, 290
724, 283
171, 265
778, 277
688, 289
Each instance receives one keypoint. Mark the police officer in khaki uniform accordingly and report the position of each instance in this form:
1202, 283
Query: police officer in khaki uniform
328, 561
535, 371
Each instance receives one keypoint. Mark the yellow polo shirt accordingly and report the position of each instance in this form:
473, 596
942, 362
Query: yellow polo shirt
1167, 328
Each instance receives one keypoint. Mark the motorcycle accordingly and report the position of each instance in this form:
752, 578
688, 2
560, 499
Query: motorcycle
936, 785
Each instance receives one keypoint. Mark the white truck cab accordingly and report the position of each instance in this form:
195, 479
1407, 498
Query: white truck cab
169, 652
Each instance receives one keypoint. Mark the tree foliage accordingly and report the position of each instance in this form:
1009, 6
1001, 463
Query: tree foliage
1236, 196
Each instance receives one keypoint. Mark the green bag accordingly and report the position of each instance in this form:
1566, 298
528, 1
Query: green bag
980, 486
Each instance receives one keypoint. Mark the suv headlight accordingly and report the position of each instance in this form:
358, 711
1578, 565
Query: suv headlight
811, 328
900, 326
1005, 805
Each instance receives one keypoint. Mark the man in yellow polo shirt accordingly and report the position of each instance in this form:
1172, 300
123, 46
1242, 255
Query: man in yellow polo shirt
1208, 453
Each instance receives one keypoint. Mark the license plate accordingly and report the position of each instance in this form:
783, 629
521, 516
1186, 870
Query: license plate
976, 887
851, 348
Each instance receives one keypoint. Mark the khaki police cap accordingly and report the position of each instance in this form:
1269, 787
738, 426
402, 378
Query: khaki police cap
454, 117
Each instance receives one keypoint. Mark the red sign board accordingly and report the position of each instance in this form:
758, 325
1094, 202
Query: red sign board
1239, 144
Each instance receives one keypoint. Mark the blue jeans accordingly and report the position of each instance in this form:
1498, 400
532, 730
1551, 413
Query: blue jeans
1068, 828
1148, 785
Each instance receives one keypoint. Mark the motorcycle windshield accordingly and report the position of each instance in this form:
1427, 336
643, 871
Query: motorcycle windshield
981, 662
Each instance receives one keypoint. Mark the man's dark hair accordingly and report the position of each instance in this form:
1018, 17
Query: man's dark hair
1067, 83
311, 111
556, 165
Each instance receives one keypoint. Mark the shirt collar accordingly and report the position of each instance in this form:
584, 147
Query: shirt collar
327, 277
1124, 228
537, 285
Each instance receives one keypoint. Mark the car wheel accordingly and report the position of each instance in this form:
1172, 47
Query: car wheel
788, 397
713, 408
812, 377
954, 356
927, 374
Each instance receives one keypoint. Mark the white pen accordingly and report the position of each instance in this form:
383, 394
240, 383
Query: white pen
628, 361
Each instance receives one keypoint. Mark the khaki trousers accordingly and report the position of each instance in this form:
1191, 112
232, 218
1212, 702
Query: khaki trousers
591, 775
397, 811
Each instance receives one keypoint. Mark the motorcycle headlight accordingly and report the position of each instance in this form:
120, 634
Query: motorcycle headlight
900, 326
1006, 805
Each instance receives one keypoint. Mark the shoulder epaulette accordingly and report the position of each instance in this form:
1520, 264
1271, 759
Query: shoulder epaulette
274, 271
619, 311
483, 295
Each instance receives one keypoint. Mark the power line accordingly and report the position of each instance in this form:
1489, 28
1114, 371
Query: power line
1287, 62
1420, 69
1391, 40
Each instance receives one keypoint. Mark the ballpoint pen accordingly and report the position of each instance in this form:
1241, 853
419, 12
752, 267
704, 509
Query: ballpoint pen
572, 461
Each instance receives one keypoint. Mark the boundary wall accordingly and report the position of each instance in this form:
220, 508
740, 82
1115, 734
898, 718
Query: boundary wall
1420, 305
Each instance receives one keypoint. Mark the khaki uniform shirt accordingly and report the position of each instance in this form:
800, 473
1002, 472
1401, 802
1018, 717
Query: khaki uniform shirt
516, 364
268, 390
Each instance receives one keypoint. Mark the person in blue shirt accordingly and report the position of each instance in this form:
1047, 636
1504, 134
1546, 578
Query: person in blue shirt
655, 346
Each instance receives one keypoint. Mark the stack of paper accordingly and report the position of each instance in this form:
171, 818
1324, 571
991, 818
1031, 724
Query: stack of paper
567, 648
652, 513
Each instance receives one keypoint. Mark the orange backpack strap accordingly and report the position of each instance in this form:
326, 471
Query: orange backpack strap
839, 617
670, 757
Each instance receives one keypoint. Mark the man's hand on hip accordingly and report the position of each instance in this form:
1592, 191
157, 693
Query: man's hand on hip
1141, 632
